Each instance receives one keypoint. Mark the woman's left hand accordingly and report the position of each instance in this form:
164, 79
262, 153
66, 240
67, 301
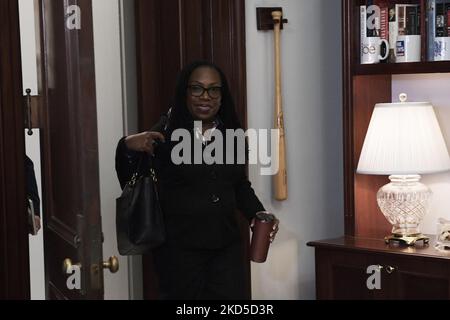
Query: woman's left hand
276, 228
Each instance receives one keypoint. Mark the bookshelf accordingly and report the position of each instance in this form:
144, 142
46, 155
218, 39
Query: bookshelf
364, 86
341, 264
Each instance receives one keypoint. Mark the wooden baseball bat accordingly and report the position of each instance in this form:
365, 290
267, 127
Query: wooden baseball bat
280, 179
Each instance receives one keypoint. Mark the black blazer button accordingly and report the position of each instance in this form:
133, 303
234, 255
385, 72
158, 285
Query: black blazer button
215, 199
213, 175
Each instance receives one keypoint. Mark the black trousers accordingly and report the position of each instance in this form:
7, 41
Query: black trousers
185, 274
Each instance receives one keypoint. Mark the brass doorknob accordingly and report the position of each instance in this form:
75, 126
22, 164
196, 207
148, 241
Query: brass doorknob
68, 266
112, 264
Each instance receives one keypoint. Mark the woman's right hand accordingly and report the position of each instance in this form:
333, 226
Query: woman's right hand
144, 142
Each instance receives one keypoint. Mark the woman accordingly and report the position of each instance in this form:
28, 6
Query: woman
202, 257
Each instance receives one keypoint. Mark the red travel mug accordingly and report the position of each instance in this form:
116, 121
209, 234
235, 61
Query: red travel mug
260, 243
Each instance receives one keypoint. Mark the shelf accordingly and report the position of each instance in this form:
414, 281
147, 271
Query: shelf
379, 246
403, 68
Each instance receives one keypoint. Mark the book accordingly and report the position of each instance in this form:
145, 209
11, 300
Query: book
363, 22
384, 28
412, 21
401, 20
431, 23
441, 28
401, 12
437, 24
372, 19
393, 31
384, 23
447, 18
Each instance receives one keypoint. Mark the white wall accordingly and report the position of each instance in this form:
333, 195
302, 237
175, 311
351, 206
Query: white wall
433, 88
108, 69
130, 112
312, 86
37, 267
29, 80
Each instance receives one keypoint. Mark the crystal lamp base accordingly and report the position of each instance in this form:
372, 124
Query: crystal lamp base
404, 202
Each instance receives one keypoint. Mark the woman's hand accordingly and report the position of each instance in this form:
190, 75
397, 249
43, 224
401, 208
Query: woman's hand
276, 228
144, 142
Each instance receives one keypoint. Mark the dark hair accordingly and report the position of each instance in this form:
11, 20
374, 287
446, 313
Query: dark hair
180, 115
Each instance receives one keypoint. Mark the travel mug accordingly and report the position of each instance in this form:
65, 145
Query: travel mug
260, 243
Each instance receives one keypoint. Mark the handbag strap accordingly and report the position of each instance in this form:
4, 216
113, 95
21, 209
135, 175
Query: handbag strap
139, 170
164, 121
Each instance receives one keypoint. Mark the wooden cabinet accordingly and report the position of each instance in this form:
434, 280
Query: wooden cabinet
420, 272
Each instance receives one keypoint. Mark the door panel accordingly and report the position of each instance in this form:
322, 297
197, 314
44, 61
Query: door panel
14, 259
69, 150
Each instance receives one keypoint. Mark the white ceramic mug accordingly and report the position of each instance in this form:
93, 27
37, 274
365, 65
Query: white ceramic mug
371, 50
441, 48
408, 49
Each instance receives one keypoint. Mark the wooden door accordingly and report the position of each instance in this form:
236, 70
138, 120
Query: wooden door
170, 35
174, 33
14, 264
69, 145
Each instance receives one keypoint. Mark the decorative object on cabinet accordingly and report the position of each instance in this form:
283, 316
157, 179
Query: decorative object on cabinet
443, 234
404, 140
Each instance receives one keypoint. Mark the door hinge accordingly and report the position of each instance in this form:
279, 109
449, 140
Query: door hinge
32, 105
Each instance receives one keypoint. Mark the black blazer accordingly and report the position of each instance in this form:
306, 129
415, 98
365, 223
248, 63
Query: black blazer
200, 202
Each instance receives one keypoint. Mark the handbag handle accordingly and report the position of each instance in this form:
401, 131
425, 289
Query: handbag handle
139, 173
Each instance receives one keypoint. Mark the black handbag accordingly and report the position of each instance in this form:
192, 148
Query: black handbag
139, 218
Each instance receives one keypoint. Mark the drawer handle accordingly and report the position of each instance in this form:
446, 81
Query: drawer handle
390, 269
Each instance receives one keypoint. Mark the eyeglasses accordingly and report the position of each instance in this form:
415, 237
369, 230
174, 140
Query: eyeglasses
198, 91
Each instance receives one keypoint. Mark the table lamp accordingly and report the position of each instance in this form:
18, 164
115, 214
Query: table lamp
404, 140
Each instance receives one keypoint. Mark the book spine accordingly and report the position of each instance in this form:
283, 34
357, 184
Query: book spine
400, 12
411, 21
447, 20
393, 32
431, 27
370, 32
384, 23
363, 21
440, 20
418, 21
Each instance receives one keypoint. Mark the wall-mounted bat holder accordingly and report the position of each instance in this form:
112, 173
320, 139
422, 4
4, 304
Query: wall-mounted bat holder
265, 20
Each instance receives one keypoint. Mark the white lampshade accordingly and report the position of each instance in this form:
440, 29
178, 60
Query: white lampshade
404, 139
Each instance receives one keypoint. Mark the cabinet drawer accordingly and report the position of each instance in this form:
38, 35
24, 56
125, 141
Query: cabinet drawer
343, 274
